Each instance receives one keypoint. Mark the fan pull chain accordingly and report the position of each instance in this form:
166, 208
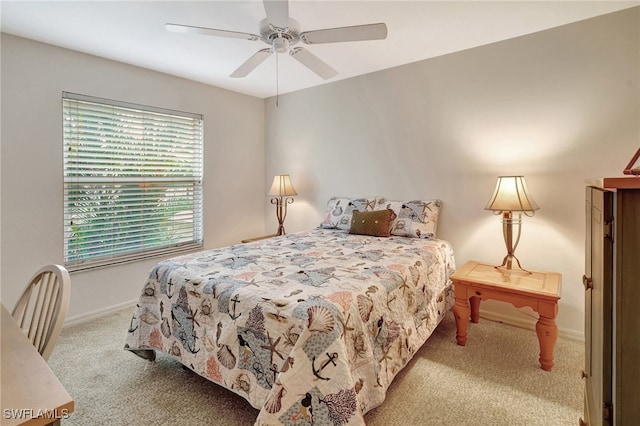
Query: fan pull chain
277, 82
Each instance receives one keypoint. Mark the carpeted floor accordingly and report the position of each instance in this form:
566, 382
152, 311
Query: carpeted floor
494, 380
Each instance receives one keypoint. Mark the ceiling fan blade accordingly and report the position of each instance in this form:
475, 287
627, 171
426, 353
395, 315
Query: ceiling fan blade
188, 29
251, 63
354, 33
277, 12
312, 62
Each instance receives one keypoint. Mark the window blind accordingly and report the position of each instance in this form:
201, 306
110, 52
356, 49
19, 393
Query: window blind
132, 181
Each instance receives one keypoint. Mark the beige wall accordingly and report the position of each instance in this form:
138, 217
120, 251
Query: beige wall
557, 106
34, 75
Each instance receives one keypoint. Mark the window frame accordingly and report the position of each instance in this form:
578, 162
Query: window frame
163, 191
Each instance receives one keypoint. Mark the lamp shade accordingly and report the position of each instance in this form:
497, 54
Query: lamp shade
282, 186
511, 195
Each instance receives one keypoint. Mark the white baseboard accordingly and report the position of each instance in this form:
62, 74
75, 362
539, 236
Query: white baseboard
529, 324
89, 316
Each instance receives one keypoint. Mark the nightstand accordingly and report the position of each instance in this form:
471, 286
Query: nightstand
540, 291
250, 240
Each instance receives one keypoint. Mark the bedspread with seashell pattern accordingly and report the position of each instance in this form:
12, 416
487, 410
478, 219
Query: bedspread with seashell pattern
310, 327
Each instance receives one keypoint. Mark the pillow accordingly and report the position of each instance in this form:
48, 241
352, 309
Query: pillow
415, 219
338, 213
375, 223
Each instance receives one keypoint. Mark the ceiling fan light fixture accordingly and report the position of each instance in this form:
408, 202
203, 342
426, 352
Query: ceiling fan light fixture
280, 45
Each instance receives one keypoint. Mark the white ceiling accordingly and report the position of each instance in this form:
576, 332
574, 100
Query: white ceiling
133, 32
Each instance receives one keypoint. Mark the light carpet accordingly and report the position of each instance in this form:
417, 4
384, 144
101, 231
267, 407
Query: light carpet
494, 380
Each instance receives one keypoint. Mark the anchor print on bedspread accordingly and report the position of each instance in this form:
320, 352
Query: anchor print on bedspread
223, 288
323, 325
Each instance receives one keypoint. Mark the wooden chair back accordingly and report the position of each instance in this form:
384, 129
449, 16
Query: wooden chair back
41, 309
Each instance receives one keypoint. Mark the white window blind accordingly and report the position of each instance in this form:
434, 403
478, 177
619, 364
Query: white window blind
132, 181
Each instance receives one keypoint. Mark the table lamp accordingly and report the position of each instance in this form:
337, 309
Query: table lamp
281, 190
511, 196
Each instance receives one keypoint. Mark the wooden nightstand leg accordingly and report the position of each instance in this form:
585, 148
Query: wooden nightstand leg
461, 312
547, 335
475, 309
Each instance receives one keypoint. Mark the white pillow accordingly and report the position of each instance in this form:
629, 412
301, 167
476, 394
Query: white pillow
339, 211
415, 219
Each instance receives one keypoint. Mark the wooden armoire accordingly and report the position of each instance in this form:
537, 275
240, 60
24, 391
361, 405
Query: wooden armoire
612, 303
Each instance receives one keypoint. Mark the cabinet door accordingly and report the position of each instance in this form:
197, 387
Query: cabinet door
626, 408
598, 304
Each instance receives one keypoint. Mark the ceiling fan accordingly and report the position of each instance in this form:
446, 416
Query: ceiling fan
282, 33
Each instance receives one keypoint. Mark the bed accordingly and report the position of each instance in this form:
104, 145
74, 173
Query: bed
309, 327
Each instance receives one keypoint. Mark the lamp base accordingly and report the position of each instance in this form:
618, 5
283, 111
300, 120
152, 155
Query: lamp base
507, 265
508, 221
281, 211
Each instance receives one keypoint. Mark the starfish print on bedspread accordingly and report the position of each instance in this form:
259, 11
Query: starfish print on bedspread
273, 347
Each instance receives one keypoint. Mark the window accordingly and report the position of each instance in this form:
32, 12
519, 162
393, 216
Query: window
132, 181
